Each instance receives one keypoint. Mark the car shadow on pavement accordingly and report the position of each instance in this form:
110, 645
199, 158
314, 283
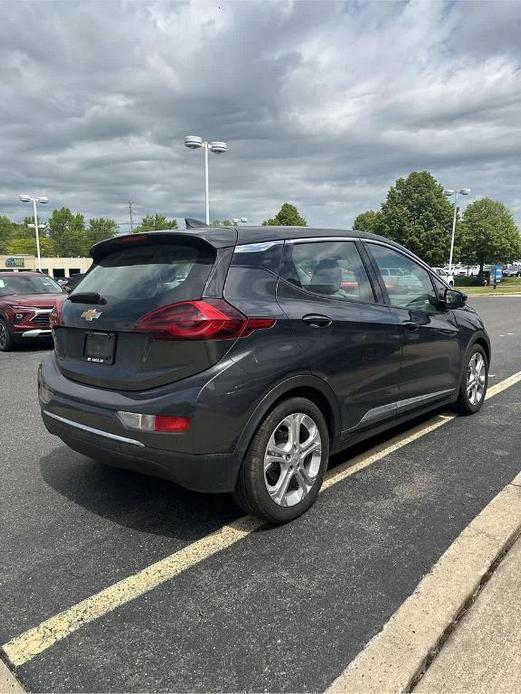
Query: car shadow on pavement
152, 505
129, 499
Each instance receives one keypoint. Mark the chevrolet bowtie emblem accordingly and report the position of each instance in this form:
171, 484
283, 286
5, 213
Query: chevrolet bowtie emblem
91, 314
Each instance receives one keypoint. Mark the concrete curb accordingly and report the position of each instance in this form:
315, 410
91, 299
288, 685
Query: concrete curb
8, 682
395, 659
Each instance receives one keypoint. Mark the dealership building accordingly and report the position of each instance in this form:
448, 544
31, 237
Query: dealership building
54, 267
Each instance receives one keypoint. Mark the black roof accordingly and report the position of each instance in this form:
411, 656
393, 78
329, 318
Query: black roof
221, 237
273, 233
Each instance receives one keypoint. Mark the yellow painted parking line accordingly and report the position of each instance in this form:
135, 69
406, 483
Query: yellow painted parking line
503, 385
32, 642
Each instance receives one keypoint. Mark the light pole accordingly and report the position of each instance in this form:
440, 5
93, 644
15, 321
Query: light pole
449, 193
196, 142
35, 201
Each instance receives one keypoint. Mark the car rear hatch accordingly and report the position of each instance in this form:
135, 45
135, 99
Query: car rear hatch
138, 319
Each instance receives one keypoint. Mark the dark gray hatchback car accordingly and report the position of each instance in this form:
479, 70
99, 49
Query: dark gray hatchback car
238, 360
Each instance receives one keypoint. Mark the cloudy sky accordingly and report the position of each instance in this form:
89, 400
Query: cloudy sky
323, 104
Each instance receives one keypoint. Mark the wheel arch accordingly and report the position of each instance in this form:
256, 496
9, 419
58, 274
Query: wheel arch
482, 340
308, 386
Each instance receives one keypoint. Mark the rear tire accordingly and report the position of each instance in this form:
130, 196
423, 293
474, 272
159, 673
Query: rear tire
285, 464
474, 383
6, 341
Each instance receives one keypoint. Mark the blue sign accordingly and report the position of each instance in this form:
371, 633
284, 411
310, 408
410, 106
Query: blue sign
499, 273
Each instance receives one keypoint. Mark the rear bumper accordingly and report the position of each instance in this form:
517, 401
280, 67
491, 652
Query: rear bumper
205, 459
203, 473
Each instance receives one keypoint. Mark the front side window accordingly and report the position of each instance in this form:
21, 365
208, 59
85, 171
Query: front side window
328, 268
407, 283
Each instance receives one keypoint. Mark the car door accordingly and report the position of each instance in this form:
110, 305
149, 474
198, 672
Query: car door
430, 365
351, 341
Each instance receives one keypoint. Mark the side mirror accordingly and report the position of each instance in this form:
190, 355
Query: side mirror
454, 299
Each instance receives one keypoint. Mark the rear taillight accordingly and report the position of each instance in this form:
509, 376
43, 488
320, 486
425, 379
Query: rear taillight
55, 317
211, 319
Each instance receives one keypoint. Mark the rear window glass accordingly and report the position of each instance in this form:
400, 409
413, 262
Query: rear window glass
157, 274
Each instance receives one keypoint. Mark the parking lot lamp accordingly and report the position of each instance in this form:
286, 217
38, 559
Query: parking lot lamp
449, 193
35, 201
196, 142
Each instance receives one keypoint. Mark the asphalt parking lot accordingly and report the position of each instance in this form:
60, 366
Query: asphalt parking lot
283, 609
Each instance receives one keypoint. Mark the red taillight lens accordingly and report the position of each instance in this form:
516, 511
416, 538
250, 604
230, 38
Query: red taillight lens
172, 424
211, 319
56, 316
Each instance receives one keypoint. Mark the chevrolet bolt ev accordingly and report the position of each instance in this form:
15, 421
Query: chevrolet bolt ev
239, 360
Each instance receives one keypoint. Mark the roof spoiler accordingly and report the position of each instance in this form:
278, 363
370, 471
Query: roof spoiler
194, 223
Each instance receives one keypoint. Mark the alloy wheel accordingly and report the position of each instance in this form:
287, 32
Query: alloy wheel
476, 378
292, 459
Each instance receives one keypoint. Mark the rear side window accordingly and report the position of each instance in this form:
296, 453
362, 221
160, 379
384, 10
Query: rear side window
159, 274
329, 268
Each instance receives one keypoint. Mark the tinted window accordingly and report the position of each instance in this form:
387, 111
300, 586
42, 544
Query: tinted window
28, 284
158, 274
408, 284
328, 268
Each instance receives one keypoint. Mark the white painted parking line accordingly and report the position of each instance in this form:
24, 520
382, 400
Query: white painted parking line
32, 642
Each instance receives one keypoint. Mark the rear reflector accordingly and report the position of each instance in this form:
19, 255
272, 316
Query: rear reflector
211, 319
175, 424
151, 422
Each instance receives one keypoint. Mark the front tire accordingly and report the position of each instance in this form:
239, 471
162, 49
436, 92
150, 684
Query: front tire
285, 464
474, 383
6, 341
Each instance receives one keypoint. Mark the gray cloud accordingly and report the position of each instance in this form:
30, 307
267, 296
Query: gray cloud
322, 103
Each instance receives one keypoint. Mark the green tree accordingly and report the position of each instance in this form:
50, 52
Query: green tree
287, 216
11, 230
489, 234
155, 222
26, 246
368, 221
6, 233
221, 223
67, 231
101, 228
417, 214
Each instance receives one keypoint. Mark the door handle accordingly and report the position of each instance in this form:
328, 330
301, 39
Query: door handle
317, 320
410, 326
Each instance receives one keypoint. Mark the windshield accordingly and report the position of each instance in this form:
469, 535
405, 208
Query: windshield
28, 284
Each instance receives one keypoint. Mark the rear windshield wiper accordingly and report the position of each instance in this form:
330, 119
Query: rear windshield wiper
87, 298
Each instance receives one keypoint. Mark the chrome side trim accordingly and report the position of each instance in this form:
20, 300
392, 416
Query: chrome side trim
410, 403
36, 333
377, 413
256, 247
91, 430
326, 239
